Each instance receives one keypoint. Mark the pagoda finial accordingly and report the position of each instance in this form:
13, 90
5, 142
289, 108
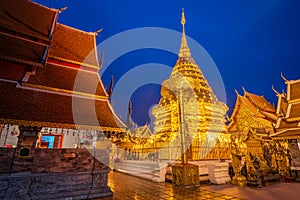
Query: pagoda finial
182, 18
184, 49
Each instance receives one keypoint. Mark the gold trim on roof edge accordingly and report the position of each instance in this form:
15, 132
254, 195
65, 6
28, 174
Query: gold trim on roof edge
59, 125
75, 62
29, 85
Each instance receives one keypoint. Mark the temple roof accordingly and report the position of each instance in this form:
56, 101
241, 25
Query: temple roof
260, 102
21, 104
27, 18
257, 106
69, 78
288, 107
66, 90
20, 50
294, 111
294, 90
283, 124
293, 133
81, 46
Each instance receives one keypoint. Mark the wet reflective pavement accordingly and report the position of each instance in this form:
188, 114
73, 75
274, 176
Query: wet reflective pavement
129, 187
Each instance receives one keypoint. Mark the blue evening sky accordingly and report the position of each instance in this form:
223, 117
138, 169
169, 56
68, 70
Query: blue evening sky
250, 41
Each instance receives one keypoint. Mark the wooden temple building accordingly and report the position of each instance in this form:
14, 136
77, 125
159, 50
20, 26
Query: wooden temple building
52, 101
287, 127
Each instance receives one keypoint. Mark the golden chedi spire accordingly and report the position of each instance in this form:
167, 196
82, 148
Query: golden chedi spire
184, 51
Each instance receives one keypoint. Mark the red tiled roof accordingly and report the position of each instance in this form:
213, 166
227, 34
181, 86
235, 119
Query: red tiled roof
287, 134
73, 44
295, 111
40, 108
25, 17
284, 124
260, 102
68, 78
295, 90
56, 95
12, 71
21, 51
249, 104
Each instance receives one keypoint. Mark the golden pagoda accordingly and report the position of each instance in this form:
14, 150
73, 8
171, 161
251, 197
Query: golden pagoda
189, 117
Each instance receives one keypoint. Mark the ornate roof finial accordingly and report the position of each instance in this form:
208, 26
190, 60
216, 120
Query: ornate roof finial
237, 93
244, 90
98, 31
62, 9
184, 49
276, 92
285, 80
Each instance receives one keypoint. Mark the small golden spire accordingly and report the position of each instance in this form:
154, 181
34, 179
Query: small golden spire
182, 18
184, 49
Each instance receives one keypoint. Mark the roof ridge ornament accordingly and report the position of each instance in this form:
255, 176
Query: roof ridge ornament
285, 80
237, 93
98, 31
245, 92
276, 92
62, 9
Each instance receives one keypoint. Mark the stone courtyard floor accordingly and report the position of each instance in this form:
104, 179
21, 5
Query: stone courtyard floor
129, 187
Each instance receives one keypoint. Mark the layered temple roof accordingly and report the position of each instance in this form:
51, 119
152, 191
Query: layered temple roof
25, 33
37, 107
252, 111
21, 50
81, 46
49, 72
28, 19
288, 111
